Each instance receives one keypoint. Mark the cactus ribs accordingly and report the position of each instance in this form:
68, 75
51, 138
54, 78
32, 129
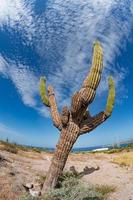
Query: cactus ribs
76, 120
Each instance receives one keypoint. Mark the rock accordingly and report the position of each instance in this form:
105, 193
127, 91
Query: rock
12, 173
28, 186
34, 193
48, 158
3, 161
38, 186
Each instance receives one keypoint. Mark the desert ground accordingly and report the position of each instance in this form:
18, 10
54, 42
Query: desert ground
16, 170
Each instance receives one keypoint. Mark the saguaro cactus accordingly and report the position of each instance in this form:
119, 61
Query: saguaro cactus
76, 120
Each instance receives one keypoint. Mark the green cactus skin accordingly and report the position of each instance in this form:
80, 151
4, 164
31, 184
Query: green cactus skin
96, 69
43, 91
87, 93
111, 97
77, 120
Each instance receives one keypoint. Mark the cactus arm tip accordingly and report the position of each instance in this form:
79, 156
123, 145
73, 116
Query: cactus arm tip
43, 92
111, 97
97, 45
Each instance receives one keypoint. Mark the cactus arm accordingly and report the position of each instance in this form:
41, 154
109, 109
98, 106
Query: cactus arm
54, 110
88, 90
65, 115
50, 101
111, 97
98, 119
93, 78
93, 123
43, 92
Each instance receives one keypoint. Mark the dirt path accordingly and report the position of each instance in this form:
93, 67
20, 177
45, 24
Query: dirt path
108, 174
26, 167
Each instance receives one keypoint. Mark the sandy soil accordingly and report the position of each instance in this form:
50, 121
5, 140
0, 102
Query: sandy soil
29, 167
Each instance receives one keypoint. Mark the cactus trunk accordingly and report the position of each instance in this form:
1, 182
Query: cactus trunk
67, 139
76, 120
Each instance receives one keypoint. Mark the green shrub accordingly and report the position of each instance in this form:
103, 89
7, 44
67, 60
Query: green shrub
124, 159
10, 148
25, 197
66, 175
105, 189
74, 189
37, 150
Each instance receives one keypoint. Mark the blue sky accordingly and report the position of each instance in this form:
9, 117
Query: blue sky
54, 38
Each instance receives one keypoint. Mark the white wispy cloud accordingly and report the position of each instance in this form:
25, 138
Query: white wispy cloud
3, 65
16, 135
77, 24
25, 81
5, 129
17, 14
66, 31
10, 133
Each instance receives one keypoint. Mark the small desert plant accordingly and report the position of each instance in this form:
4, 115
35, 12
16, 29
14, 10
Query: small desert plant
10, 147
105, 189
40, 179
7, 145
22, 147
37, 150
74, 189
111, 151
25, 196
73, 173
125, 159
66, 175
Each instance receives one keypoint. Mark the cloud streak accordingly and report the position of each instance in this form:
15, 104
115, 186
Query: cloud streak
80, 23
63, 36
25, 81
7, 132
17, 14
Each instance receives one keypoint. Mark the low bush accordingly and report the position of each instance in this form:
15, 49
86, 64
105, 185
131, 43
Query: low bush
67, 175
10, 148
126, 159
105, 189
74, 189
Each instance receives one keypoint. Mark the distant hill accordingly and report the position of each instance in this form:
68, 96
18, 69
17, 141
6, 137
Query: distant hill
127, 142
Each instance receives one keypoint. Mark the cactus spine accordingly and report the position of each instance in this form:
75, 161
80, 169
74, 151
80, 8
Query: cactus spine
76, 120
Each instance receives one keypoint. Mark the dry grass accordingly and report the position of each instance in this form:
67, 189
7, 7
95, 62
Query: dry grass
9, 147
30, 155
74, 189
14, 148
7, 189
105, 189
124, 159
